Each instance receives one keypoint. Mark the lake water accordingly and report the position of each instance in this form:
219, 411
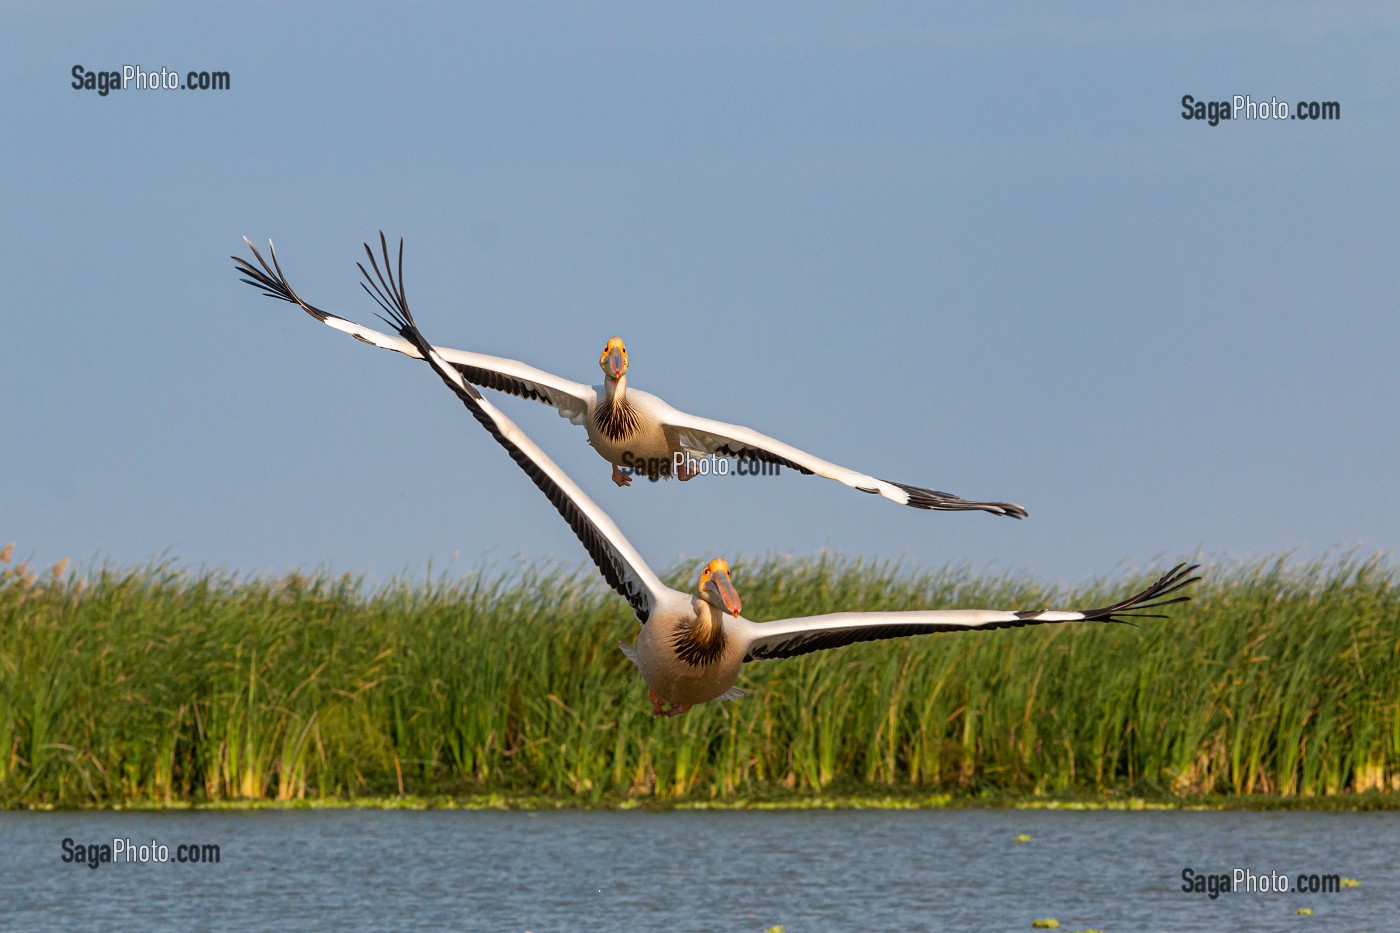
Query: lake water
697, 871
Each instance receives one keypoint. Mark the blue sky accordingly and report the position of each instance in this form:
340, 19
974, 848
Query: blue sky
978, 252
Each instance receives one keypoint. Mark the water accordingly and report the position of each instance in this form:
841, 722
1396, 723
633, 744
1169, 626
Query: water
698, 871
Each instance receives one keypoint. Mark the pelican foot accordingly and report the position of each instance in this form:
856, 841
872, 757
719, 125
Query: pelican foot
657, 709
621, 478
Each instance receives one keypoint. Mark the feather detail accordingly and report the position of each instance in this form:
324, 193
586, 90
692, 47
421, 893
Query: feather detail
617, 420
696, 646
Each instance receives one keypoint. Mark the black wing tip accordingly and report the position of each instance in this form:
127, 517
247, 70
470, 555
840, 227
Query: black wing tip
271, 281
1154, 597
389, 293
933, 500
387, 289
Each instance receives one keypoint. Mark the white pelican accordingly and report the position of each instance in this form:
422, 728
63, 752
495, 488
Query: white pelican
635, 431
692, 645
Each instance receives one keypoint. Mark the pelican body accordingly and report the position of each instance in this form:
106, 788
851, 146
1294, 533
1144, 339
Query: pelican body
635, 431
692, 646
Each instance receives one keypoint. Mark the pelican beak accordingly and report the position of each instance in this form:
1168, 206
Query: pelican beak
719, 582
615, 362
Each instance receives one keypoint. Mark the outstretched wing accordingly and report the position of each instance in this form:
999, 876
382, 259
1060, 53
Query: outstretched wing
619, 562
732, 440
571, 399
790, 637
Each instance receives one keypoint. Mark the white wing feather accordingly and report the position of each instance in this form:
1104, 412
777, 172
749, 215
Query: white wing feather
787, 638
732, 440
570, 399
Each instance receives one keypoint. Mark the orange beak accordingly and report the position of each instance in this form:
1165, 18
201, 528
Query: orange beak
720, 583
615, 362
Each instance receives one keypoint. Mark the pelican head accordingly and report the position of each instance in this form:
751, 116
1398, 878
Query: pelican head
716, 588
614, 358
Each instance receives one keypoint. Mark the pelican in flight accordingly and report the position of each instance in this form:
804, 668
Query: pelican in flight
635, 431
692, 645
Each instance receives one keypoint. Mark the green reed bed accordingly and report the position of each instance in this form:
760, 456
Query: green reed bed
160, 686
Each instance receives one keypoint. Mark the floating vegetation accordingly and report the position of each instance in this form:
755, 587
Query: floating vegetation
1350, 883
1049, 923
1023, 837
157, 686
1304, 911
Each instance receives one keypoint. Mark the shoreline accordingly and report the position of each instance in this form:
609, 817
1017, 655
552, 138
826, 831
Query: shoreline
1341, 803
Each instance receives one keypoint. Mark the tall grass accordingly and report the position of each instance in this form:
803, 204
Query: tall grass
159, 685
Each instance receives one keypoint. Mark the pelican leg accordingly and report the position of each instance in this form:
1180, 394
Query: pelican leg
684, 472
621, 478
658, 709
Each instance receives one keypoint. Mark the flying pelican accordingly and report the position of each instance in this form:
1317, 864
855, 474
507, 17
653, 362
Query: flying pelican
692, 645
635, 431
